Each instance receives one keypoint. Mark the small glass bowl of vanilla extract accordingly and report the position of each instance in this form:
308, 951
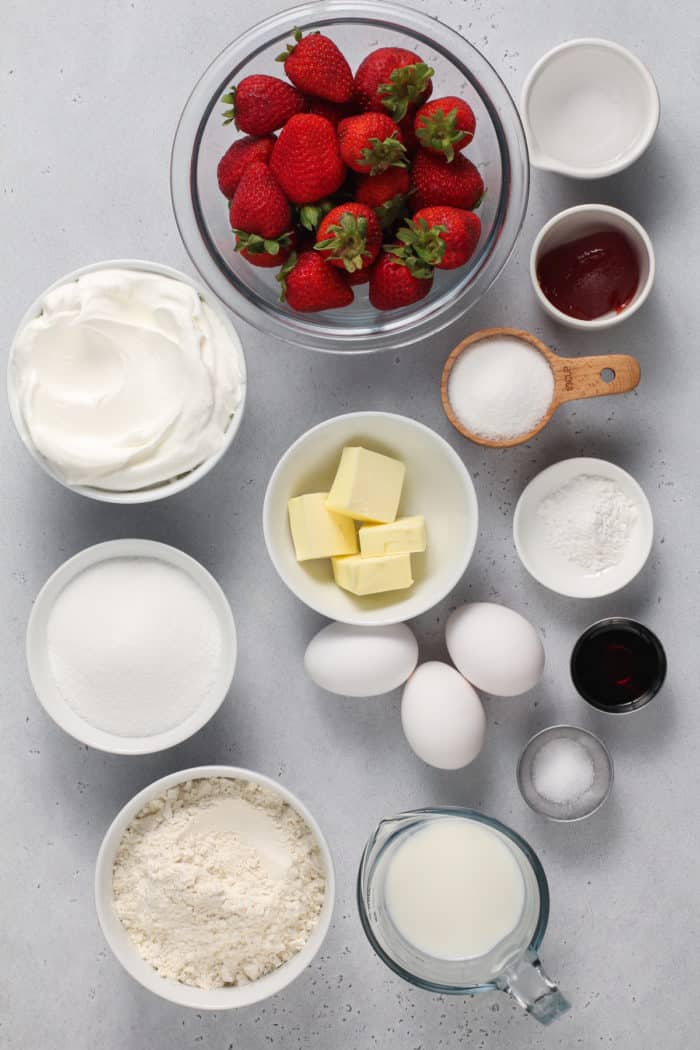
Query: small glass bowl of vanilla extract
618, 665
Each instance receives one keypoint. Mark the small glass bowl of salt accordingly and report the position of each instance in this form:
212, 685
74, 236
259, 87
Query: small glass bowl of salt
565, 773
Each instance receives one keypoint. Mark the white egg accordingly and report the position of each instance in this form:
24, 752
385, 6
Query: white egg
361, 661
442, 716
495, 648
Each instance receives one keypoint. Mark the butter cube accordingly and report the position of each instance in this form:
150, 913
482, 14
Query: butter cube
316, 531
403, 536
367, 486
390, 572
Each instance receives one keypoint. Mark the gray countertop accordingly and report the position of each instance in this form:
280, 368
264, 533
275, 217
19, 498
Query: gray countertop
90, 96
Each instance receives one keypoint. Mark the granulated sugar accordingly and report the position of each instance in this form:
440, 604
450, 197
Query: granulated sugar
134, 646
500, 388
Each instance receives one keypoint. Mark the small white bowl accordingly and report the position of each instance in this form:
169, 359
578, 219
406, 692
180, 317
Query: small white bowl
437, 485
580, 221
125, 950
166, 488
38, 658
552, 569
590, 108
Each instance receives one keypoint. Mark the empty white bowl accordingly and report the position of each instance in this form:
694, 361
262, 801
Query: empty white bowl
590, 108
45, 687
547, 564
437, 485
125, 950
166, 488
579, 221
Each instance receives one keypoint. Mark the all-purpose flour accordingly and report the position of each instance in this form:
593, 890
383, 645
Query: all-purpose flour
218, 882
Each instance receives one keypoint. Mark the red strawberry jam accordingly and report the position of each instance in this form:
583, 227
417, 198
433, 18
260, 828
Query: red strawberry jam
590, 276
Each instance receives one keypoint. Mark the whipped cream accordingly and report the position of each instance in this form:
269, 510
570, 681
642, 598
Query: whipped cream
126, 379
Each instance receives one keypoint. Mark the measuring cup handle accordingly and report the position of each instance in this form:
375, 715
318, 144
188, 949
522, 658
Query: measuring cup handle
578, 377
532, 989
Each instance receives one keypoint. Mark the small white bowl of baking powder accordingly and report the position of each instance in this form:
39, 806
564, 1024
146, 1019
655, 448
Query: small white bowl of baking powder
583, 527
131, 646
247, 829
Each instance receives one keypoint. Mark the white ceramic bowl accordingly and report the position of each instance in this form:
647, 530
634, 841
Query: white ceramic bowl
580, 221
590, 108
550, 567
437, 485
166, 488
38, 659
124, 949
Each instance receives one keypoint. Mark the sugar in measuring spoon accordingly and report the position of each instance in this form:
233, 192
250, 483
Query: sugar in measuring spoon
501, 386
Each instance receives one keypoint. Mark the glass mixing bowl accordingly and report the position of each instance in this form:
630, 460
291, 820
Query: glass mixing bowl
357, 26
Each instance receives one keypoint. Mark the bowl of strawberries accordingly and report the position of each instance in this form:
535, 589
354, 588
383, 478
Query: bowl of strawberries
350, 176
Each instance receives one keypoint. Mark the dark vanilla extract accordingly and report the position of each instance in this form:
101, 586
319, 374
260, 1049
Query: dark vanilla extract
618, 665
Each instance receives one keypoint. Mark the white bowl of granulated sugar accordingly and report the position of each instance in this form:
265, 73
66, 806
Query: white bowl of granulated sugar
214, 887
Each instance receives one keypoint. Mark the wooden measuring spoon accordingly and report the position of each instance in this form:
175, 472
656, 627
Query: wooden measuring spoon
574, 378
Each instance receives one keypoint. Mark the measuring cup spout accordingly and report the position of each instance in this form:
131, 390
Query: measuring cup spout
529, 985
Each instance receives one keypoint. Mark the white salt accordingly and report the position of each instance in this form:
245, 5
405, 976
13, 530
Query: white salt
134, 646
500, 388
562, 771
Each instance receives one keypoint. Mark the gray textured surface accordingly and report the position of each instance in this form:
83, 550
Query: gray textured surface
89, 98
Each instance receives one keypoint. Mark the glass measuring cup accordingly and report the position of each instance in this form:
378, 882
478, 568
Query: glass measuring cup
511, 966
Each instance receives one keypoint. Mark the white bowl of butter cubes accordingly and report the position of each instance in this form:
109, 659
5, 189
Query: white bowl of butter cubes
370, 518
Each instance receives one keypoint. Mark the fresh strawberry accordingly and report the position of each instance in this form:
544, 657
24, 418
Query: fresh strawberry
266, 253
333, 111
350, 237
458, 184
258, 205
305, 159
260, 104
444, 125
237, 157
371, 143
408, 131
357, 277
444, 237
390, 79
309, 284
387, 194
317, 66
398, 279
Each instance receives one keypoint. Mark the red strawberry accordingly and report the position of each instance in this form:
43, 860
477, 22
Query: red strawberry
317, 66
408, 132
444, 125
390, 79
305, 159
333, 111
386, 193
266, 253
397, 280
309, 284
350, 237
445, 237
371, 143
237, 157
262, 104
258, 205
357, 277
434, 181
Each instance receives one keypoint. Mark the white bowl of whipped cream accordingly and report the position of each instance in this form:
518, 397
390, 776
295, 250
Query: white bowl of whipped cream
126, 381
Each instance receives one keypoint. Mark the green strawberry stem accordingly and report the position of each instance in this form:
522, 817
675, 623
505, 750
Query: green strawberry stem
284, 273
440, 131
380, 155
229, 99
391, 211
407, 84
310, 215
348, 241
254, 244
422, 242
291, 48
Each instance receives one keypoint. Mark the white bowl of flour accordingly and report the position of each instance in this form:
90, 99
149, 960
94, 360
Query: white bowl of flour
131, 646
214, 887
583, 527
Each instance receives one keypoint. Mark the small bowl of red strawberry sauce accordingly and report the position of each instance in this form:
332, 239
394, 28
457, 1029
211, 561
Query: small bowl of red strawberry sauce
592, 266
350, 176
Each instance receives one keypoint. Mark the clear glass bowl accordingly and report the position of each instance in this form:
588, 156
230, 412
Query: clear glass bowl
357, 26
